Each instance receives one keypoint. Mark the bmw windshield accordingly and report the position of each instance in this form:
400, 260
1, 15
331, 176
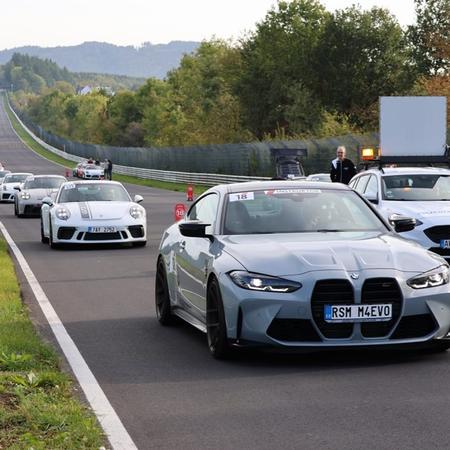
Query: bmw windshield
95, 192
298, 211
415, 188
15, 178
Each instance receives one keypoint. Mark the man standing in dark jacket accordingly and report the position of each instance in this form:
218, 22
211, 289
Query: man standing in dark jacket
342, 169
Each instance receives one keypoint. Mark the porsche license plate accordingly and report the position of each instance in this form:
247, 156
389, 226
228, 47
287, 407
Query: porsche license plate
358, 313
445, 243
102, 229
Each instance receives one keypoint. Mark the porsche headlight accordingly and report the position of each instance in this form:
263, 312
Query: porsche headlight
62, 213
136, 212
25, 195
433, 278
258, 282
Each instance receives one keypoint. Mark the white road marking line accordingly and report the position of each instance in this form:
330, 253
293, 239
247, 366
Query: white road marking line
108, 418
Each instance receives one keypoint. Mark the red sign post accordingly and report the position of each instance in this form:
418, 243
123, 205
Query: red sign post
179, 211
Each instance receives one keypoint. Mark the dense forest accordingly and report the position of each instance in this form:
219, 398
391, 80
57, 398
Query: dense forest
304, 72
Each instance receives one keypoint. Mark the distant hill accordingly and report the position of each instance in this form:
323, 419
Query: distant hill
147, 60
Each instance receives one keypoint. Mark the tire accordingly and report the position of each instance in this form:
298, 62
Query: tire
44, 239
50, 240
216, 329
16, 211
440, 347
140, 244
162, 297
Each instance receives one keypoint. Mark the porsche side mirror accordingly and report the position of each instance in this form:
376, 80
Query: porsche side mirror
47, 201
17, 188
194, 229
138, 198
371, 197
402, 223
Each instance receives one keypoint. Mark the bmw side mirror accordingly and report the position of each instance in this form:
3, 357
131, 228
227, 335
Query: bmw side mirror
194, 229
138, 198
371, 197
402, 224
47, 201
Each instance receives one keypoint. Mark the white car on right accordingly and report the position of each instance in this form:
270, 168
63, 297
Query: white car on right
422, 193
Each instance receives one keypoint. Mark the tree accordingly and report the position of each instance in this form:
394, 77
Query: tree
276, 57
361, 55
430, 37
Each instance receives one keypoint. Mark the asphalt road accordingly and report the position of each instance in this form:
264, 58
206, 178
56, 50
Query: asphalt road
170, 393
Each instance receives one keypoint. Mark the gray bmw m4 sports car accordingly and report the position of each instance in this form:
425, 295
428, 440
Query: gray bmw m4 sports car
300, 265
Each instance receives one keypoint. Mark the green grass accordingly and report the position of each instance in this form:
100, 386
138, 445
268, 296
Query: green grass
33, 145
38, 405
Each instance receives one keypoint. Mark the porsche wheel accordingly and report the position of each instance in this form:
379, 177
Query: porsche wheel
44, 239
16, 210
52, 244
216, 330
162, 297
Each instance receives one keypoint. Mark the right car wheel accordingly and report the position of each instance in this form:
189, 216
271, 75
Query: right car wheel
162, 297
44, 239
52, 244
216, 329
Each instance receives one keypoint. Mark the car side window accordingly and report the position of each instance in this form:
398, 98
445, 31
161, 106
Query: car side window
205, 210
372, 186
354, 182
361, 186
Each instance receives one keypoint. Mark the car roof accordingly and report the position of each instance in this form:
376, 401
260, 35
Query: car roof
93, 182
20, 173
408, 171
49, 176
275, 184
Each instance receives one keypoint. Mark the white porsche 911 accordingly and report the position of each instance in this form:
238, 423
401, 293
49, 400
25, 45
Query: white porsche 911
93, 212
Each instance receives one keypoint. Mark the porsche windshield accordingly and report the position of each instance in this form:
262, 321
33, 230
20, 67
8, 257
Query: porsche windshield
44, 183
419, 187
16, 178
95, 192
298, 211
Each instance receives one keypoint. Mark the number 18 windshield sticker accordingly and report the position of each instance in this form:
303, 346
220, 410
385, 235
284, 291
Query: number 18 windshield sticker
242, 196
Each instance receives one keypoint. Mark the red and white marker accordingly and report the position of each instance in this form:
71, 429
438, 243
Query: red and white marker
179, 212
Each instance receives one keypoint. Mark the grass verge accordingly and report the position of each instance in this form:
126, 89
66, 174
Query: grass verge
38, 406
31, 143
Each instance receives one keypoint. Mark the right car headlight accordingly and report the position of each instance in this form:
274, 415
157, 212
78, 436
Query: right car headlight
62, 213
137, 212
259, 282
433, 278
25, 196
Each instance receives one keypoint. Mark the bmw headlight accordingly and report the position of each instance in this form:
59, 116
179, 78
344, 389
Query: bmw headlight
258, 282
25, 195
433, 278
4, 187
62, 213
136, 212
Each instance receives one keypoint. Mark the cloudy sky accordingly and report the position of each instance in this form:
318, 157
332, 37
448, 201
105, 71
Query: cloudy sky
132, 22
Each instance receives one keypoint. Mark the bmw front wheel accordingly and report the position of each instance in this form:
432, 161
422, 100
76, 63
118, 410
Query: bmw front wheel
162, 297
216, 329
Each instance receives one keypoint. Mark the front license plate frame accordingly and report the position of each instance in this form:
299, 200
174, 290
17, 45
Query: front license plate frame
445, 244
102, 229
358, 313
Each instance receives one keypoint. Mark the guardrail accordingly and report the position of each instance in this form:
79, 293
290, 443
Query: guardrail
207, 179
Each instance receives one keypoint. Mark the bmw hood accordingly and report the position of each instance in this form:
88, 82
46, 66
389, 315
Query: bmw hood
420, 210
295, 254
99, 210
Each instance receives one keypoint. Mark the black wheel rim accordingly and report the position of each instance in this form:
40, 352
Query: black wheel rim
213, 319
160, 290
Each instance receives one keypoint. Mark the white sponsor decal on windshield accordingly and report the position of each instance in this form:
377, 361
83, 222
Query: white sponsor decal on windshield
69, 186
242, 196
442, 212
293, 191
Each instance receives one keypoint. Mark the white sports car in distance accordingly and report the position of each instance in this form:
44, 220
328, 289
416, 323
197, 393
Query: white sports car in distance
92, 172
10, 183
93, 212
30, 194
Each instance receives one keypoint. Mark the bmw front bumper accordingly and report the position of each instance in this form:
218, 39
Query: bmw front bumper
296, 320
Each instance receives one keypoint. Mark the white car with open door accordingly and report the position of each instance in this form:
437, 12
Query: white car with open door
93, 212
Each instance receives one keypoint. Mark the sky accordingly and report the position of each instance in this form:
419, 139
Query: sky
50, 23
